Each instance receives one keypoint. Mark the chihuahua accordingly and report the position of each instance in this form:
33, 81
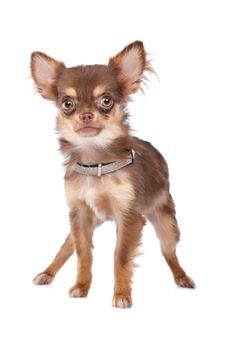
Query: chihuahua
110, 174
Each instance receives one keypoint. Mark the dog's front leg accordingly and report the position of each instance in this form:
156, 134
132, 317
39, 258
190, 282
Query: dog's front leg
129, 229
83, 222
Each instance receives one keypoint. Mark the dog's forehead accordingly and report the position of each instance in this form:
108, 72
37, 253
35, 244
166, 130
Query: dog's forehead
94, 80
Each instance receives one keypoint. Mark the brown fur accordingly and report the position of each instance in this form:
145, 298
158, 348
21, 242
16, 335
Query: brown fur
128, 196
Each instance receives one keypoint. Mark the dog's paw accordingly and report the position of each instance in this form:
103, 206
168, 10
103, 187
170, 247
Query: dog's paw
78, 292
43, 278
122, 301
185, 282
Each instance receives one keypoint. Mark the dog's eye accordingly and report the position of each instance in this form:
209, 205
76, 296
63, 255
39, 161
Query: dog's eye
67, 105
106, 102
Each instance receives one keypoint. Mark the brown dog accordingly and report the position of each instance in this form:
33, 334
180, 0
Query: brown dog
110, 175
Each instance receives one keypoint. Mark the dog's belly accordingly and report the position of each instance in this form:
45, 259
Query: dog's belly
106, 196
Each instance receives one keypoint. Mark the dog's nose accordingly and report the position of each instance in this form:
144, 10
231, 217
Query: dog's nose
86, 117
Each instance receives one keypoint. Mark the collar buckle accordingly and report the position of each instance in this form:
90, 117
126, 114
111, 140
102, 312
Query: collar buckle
99, 172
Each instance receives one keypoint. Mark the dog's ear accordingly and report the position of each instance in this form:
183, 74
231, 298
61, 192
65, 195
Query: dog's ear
45, 71
130, 64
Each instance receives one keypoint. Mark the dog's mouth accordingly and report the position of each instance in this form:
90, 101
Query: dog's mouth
88, 131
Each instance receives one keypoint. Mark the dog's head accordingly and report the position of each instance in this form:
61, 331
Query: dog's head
91, 99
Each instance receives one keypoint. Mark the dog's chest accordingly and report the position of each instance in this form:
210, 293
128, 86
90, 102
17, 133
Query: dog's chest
105, 195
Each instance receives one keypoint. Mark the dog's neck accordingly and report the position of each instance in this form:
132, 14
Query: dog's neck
118, 149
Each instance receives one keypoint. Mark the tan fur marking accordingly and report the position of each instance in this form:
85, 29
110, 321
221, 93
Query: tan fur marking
167, 232
96, 191
70, 92
117, 114
99, 90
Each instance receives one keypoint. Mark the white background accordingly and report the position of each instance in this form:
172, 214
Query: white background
187, 116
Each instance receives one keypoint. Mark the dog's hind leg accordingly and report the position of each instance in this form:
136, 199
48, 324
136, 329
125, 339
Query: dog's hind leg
164, 221
66, 250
